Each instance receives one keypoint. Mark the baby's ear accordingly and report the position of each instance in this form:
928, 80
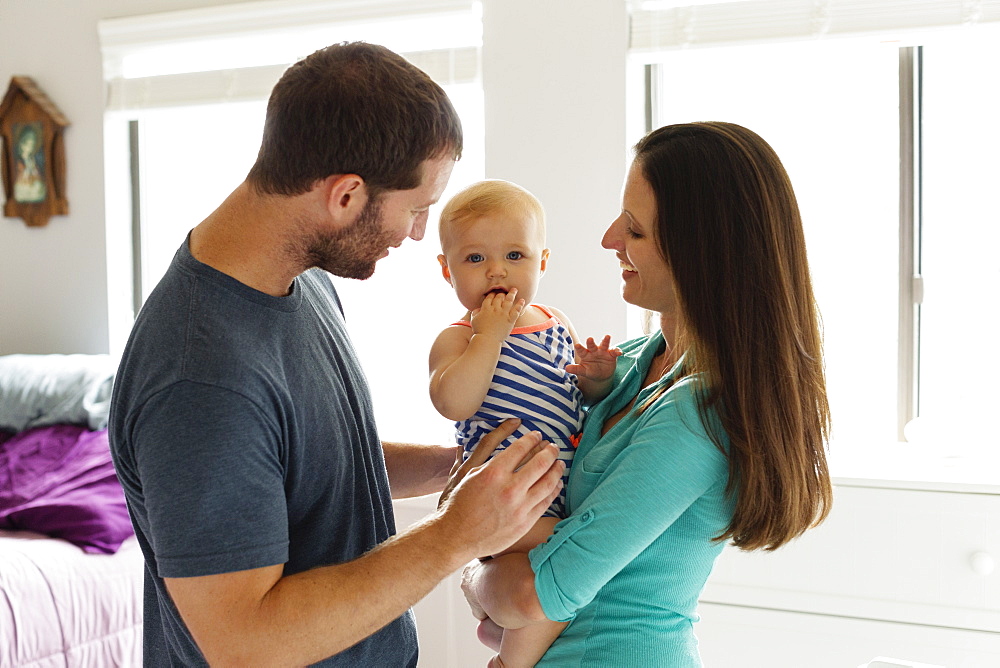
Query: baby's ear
545, 260
443, 261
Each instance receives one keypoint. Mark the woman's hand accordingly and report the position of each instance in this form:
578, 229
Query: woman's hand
503, 590
487, 444
468, 575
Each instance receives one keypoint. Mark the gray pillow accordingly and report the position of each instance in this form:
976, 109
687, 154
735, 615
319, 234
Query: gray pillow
39, 390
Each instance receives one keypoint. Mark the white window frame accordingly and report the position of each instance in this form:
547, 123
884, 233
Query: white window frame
122, 38
664, 25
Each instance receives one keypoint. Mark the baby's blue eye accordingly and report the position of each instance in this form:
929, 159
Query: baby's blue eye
514, 255
475, 257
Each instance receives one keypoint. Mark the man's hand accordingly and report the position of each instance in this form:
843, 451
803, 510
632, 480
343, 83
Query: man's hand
486, 446
498, 502
595, 362
497, 315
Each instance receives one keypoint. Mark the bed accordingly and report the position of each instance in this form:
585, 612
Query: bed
70, 568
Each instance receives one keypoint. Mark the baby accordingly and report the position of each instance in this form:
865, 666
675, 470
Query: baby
508, 357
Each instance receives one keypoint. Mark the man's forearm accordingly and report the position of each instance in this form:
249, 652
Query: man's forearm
415, 470
369, 592
260, 617
306, 617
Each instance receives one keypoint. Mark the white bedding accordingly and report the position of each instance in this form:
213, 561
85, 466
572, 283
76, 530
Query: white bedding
62, 607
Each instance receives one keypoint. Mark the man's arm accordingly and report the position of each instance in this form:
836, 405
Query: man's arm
257, 617
415, 470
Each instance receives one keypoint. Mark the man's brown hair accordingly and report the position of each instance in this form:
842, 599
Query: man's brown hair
353, 108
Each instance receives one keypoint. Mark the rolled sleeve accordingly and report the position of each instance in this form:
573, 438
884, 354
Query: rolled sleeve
635, 484
556, 605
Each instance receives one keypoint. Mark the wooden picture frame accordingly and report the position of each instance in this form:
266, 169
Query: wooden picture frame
33, 158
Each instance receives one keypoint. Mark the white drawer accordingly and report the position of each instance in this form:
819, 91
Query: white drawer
898, 555
734, 636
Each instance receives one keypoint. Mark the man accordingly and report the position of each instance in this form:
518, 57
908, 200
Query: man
241, 424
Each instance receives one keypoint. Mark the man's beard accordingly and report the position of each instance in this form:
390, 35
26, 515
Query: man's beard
353, 251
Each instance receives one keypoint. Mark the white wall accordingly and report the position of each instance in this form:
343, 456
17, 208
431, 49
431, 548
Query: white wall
53, 279
554, 78
555, 123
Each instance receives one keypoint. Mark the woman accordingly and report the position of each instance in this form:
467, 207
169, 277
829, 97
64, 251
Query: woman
715, 429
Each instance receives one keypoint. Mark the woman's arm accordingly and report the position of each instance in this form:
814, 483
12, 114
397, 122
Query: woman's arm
463, 359
503, 589
644, 487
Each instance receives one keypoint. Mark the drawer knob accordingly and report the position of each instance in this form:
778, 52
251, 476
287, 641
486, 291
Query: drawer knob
982, 563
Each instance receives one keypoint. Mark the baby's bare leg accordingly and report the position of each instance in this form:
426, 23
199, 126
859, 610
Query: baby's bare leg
489, 633
523, 647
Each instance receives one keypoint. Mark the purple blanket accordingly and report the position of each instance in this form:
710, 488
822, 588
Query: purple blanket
59, 481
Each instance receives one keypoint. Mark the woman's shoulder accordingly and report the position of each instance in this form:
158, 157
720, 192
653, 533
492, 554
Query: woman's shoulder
683, 410
635, 345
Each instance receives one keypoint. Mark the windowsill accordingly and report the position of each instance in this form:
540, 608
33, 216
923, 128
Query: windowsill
906, 466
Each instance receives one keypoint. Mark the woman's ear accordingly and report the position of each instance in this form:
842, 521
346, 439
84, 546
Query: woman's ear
443, 261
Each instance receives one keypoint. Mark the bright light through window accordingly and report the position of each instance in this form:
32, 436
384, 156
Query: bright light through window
960, 321
193, 157
402, 35
830, 110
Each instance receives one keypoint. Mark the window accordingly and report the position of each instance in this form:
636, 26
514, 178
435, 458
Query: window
898, 255
183, 128
959, 241
846, 180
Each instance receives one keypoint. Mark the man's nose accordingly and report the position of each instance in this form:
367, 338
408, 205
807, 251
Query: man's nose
418, 229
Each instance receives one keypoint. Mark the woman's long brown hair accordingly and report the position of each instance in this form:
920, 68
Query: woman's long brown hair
729, 228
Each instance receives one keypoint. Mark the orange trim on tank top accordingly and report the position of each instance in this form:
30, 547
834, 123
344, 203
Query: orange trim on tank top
540, 327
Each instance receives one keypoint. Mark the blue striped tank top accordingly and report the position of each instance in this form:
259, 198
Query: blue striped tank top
531, 383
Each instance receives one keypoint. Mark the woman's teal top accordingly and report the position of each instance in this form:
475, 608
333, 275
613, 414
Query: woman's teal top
645, 500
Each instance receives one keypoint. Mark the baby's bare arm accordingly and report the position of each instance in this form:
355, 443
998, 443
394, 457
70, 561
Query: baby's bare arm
463, 359
594, 364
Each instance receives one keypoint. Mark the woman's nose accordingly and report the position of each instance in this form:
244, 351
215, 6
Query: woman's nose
612, 239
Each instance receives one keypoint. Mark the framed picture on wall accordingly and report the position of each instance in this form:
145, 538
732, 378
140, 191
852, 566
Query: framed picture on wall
33, 157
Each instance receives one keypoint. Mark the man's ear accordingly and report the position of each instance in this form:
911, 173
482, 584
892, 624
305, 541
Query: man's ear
545, 260
346, 196
445, 271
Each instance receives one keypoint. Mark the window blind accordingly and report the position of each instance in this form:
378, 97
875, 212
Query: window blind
659, 26
304, 25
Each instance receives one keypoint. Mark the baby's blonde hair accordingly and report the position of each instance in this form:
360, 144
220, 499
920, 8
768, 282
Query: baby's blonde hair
486, 197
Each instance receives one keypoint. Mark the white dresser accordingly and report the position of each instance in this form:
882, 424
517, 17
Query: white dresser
906, 566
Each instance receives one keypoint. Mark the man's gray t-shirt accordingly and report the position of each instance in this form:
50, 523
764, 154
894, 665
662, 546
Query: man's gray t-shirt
242, 431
